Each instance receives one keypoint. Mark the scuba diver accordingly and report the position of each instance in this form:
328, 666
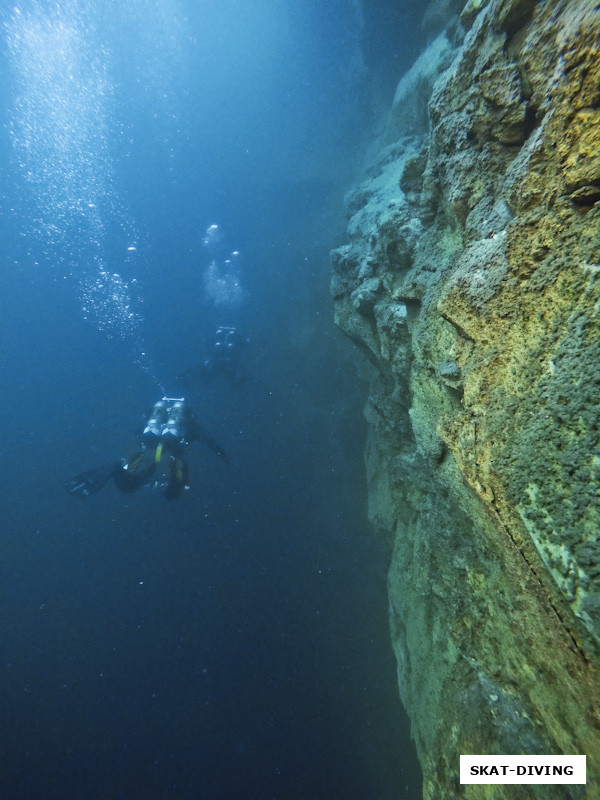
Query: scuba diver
223, 351
159, 462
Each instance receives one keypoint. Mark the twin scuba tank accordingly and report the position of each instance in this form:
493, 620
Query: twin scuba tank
224, 344
166, 425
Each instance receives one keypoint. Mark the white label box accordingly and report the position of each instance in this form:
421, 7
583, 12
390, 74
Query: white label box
522, 769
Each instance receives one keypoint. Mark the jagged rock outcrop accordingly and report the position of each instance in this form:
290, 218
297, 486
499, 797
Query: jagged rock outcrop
472, 281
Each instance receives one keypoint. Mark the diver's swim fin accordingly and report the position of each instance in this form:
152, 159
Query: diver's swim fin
90, 482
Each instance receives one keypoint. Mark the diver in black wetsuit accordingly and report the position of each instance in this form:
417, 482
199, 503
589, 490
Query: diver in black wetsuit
223, 351
159, 461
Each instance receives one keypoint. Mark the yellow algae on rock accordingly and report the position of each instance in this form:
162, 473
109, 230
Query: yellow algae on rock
471, 279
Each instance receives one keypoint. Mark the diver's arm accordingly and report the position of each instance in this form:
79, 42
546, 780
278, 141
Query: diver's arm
197, 433
213, 445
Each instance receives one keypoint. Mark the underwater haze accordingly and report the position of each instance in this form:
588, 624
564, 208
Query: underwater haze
168, 167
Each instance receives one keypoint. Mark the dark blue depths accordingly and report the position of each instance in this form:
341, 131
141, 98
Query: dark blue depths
232, 644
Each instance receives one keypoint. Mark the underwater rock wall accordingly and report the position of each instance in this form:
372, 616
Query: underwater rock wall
471, 279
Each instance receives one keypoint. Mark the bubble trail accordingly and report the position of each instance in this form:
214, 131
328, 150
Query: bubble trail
59, 127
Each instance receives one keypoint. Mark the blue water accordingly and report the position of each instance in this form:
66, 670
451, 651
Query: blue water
234, 643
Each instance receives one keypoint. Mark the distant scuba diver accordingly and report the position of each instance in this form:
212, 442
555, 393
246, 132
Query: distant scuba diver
159, 462
222, 357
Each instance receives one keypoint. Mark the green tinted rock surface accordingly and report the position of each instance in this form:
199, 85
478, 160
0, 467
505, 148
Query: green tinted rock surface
472, 280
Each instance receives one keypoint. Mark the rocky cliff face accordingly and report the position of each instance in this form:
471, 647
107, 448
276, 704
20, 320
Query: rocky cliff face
472, 280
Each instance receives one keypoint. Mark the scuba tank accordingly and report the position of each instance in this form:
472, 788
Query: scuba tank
155, 425
219, 340
173, 432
